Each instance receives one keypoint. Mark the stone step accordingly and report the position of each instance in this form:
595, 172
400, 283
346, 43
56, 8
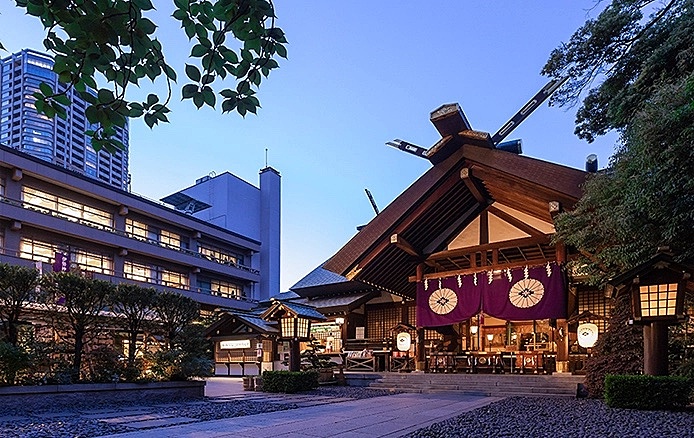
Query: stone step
489, 384
536, 389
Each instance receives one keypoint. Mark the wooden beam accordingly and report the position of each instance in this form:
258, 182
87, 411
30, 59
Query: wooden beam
477, 192
484, 228
528, 229
444, 274
404, 245
411, 217
525, 241
456, 226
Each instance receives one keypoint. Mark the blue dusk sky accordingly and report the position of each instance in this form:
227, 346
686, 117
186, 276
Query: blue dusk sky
359, 73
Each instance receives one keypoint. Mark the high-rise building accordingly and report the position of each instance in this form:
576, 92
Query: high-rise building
59, 141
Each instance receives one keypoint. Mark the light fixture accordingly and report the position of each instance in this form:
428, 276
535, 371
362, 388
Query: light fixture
587, 334
490, 338
339, 320
474, 329
658, 301
296, 328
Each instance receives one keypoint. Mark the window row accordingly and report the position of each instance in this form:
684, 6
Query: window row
73, 210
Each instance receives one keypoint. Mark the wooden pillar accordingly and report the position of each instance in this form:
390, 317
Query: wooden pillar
420, 361
294, 355
655, 359
562, 338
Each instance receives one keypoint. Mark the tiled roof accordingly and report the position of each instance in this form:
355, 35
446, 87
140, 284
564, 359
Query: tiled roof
349, 301
319, 277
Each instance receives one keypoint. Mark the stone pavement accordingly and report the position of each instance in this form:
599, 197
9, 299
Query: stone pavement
391, 416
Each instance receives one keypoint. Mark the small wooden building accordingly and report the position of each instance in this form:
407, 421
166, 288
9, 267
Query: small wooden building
248, 343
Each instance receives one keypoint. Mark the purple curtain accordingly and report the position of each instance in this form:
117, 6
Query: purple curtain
541, 295
447, 301
516, 294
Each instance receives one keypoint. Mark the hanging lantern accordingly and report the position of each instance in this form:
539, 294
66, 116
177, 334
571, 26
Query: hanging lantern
587, 335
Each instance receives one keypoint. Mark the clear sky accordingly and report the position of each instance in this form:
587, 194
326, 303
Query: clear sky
360, 73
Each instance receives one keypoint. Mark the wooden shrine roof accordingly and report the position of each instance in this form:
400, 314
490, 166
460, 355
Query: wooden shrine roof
467, 176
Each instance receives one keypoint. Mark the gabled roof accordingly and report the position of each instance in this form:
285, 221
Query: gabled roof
250, 319
320, 281
435, 208
660, 265
337, 303
294, 309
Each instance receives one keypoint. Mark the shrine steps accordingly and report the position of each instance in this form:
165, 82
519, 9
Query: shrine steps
495, 385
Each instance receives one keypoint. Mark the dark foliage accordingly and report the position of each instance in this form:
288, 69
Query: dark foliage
617, 351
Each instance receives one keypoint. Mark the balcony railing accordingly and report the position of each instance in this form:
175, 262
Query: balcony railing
112, 230
11, 257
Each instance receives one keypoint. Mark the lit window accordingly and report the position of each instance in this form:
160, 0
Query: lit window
658, 299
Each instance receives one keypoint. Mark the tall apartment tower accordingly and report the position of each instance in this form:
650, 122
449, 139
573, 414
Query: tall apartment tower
61, 142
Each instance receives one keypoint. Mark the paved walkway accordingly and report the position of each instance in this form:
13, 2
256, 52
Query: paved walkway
373, 417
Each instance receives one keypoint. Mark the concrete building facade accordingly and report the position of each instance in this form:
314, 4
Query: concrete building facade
46, 210
231, 203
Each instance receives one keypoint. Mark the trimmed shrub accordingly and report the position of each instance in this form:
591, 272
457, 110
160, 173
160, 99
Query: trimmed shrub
289, 381
647, 392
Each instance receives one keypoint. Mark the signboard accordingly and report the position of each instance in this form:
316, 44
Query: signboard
403, 341
235, 345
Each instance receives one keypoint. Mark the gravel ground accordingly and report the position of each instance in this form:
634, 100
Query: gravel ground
559, 417
511, 417
81, 417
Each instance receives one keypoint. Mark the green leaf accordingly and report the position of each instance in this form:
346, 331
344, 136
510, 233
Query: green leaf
243, 87
169, 72
62, 99
182, 4
230, 56
281, 51
46, 89
198, 100
207, 79
145, 5
105, 96
152, 99
180, 14
193, 72
189, 91
198, 51
208, 96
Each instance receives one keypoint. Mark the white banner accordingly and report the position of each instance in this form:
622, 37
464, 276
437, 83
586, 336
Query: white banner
235, 345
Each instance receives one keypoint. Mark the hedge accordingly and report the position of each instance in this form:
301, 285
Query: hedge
647, 392
289, 381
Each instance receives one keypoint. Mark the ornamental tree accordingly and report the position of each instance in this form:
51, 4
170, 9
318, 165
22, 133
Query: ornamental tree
234, 40
132, 306
17, 286
75, 304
